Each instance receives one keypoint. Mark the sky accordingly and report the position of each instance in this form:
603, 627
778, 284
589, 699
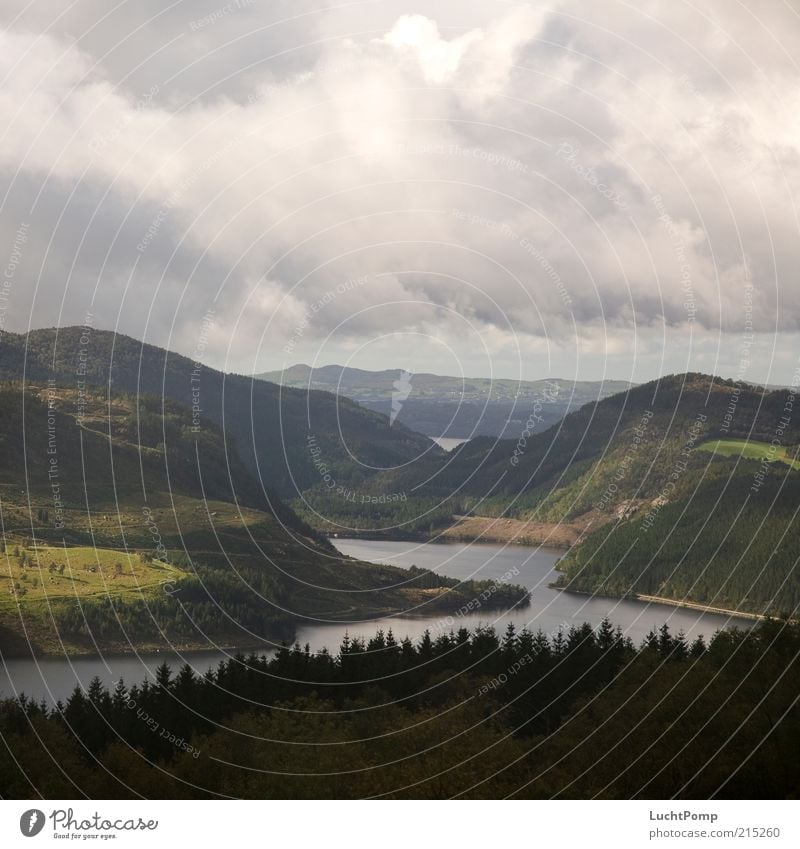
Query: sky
519, 190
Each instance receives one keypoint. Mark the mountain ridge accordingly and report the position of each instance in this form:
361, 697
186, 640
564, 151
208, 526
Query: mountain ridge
449, 406
257, 415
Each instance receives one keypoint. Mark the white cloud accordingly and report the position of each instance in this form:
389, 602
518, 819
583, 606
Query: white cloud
438, 58
423, 148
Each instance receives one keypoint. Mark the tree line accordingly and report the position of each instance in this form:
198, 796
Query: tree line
583, 713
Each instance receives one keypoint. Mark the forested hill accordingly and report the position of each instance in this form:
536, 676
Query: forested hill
685, 488
105, 498
621, 449
720, 544
628, 448
100, 446
123, 528
689, 488
272, 428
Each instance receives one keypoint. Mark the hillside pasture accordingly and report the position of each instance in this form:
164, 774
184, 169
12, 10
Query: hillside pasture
752, 450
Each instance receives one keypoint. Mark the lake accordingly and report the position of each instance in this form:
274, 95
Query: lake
535, 568
55, 677
448, 442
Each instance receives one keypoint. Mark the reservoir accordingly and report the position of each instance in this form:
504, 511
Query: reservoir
448, 443
54, 678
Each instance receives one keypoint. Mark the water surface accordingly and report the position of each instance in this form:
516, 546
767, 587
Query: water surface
54, 678
531, 566
448, 442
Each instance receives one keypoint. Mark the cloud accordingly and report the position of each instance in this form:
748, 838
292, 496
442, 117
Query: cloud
563, 173
438, 58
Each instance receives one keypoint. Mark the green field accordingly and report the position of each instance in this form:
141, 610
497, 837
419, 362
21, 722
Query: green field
55, 573
752, 450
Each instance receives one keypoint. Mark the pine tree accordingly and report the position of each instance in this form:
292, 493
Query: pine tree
698, 647
163, 676
510, 643
425, 649
119, 698
606, 637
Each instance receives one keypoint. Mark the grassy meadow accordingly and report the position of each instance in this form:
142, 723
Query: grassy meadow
752, 450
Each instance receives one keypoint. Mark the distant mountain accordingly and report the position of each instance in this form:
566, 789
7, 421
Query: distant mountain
453, 407
289, 439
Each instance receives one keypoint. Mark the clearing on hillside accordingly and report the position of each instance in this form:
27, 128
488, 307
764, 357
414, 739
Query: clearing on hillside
752, 450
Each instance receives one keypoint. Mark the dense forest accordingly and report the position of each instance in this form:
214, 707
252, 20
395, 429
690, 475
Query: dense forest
252, 605
724, 546
581, 714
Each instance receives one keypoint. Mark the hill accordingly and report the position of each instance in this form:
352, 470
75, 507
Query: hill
457, 407
644, 466
719, 545
272, 429
616, 453
157, 535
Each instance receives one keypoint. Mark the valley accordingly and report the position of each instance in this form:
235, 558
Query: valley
318, 559
452, 407
610, 484
163, 535
400, 401
633, 485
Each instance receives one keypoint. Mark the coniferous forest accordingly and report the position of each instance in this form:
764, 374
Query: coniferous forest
582, 714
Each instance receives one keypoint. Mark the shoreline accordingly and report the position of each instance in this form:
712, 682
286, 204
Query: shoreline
671, 602
489, 529
702, 608
14, 646
147, 649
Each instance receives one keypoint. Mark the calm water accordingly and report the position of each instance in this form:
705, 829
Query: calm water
55, 678
448, 442
549, 609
